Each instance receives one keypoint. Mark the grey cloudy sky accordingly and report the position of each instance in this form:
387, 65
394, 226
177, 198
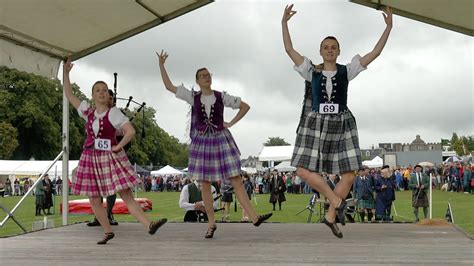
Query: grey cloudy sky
421, 84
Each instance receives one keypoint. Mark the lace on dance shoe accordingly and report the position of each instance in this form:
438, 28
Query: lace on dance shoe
262, 218
335, 230
155, 225
340, 212
210, 231
107, 237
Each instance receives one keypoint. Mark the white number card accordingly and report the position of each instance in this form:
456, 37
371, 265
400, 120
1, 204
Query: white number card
103, 144
328, 108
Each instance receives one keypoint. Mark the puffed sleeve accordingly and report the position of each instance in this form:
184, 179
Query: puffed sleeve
305, 69
231, 101
117, 118
185, 94
83, 109
354, 67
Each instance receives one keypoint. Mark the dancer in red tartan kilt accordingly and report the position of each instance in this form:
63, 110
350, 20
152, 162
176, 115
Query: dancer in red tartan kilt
104, 168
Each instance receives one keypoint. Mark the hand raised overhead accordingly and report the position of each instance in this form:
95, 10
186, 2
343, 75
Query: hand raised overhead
288, 13
162, 57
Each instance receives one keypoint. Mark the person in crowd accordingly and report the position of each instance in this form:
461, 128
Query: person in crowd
2, 189
277, 190
59, 186
104, 168
48, 194
467, 176
39, 197
190, 199
385, 190
364, 194
16, 187
419, 183
327, 138
8, 187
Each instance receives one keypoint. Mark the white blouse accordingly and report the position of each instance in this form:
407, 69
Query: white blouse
116, 117
208, 100
353, 69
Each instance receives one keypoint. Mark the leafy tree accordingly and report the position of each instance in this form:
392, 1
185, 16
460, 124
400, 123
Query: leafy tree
8, 140
33, 105
275, 141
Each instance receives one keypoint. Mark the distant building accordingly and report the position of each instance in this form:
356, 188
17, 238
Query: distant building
404, 154
251, 162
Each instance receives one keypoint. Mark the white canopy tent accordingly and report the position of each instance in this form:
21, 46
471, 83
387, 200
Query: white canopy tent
276, 153
36, 35
14, 168
167, 170
375, 162
285, 167
455, 15
249, 170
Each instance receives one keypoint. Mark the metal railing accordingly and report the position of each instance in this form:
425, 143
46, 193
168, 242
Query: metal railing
40, 179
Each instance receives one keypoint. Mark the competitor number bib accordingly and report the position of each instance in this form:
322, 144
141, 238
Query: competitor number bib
328, 108
102, 144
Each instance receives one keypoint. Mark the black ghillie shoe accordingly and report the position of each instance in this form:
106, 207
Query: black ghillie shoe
340, 210
210, 231
107, 237
95, 222
335, 230
155, 225
262, 218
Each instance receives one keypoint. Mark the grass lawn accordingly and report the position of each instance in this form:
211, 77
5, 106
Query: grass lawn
165, 204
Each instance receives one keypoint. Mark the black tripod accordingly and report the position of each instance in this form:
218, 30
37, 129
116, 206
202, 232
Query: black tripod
310, 207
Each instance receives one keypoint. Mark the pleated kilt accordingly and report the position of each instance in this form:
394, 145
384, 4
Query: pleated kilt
103, 173
327, 143
422, 200
213, 156
366, 204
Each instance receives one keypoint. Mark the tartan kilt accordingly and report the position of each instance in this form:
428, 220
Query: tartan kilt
103, 173
421, 202
213, 156
327, 143
366, 204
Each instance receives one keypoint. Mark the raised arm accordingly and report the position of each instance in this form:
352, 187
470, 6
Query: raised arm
67, 66
164, 75
292, 53
368, 58
243, 109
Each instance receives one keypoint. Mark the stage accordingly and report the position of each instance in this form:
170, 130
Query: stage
242, 244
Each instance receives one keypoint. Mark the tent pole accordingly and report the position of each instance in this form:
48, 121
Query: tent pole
65, 170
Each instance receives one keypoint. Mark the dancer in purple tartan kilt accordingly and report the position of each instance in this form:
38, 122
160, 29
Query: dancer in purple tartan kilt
104, 168
327, 139
213, 153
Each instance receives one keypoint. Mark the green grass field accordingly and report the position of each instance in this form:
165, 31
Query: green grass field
165, 204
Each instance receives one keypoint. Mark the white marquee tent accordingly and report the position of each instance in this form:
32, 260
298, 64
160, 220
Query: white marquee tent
285, 167
276, 153
167, 170
12, 168
375, 162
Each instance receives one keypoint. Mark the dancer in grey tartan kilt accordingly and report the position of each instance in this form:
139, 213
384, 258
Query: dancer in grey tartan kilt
327, 139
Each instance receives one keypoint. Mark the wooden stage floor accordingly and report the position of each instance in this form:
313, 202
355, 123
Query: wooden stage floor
242, 244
